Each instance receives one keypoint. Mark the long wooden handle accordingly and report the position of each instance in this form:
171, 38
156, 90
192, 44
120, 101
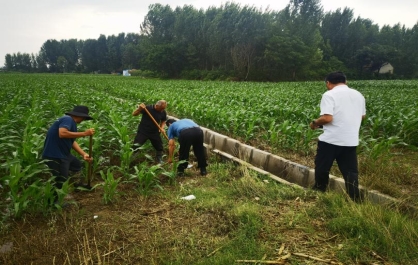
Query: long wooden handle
156, 124
90, 168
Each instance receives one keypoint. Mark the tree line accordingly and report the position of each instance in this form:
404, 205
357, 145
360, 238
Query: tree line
236, 42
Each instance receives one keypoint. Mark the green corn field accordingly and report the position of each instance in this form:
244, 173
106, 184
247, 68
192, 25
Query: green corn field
269, 116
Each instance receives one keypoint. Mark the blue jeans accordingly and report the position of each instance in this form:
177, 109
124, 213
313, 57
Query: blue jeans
346, 157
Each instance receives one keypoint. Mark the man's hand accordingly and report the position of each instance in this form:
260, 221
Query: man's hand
89, 132
87, 158
321, 121
141, 106
313, 125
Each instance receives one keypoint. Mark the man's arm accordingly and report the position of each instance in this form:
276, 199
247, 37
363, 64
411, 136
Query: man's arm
65, 133
162, 125
324, 119
139, 110
80, 151
171, 148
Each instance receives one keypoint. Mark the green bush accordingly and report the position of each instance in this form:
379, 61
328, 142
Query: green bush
143, 73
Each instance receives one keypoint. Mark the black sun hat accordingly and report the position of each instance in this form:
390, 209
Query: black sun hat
80, 111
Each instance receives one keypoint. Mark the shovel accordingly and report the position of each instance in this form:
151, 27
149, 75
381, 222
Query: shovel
89, 170
156, 124
90, 167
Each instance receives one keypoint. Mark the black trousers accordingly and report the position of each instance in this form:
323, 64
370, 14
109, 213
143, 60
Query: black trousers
346, 157
60, 168
191, 137
155, 139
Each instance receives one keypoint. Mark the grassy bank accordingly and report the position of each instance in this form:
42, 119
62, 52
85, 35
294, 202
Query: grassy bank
237, 216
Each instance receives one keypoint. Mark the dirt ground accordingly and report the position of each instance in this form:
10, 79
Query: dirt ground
158, 229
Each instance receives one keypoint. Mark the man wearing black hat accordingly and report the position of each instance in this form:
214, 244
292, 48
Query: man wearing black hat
60, 139
189, 134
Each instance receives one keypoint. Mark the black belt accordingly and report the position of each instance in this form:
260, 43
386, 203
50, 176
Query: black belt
185, 129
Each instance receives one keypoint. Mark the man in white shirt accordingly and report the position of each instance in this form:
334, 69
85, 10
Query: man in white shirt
342, 110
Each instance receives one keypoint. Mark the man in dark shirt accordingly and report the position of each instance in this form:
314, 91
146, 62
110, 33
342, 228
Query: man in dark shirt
59, 141
148, 130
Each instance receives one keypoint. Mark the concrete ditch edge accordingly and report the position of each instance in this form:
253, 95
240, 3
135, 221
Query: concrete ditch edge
281, 169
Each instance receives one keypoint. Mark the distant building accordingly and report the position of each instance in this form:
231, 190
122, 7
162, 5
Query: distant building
386, 68
126, 73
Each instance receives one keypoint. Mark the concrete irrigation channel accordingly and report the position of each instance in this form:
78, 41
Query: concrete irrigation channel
280, 169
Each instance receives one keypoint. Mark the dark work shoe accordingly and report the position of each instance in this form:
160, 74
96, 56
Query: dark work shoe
203, 171
319, 188
63, 205
80, 186
159, 159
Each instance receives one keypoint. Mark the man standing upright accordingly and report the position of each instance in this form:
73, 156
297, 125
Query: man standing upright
342, 110
147, 129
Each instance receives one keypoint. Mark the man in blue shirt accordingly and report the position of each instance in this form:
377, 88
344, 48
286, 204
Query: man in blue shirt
189, 134
59, 141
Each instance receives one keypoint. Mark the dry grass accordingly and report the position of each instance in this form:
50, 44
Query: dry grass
161, 229
281, 224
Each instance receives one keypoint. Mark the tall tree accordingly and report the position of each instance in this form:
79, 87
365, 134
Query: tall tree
365, 33
89, 55
159, 23
131, 51
50, 51
220, 37
294, 47
8, 62
159, 51
248, 37
131, 56
70, 50
189, 37
408, 64
114, 49
335, 33
102, 54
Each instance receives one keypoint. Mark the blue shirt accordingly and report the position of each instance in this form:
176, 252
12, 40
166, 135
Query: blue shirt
176, 127
56, 147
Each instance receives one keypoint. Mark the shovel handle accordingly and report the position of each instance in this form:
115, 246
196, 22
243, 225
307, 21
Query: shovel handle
90, 168
156, 124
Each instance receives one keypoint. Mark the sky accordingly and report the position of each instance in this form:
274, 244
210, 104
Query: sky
26, 24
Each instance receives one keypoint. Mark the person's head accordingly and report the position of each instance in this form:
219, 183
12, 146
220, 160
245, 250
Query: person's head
160, 105
169, 122
335, 78
79, 114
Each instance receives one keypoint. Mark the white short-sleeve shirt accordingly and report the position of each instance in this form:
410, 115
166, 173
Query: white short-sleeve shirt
347, 106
